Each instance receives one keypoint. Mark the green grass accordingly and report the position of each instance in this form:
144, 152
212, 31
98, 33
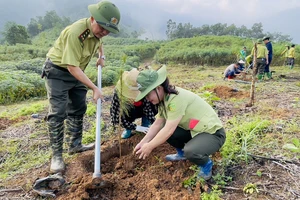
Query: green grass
21, 157
91, 109
89, 136
243, 135
26, 108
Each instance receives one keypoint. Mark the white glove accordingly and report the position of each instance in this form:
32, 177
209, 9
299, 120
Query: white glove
142, 129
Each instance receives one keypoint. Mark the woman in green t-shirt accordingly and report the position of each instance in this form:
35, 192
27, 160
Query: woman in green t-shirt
184, 120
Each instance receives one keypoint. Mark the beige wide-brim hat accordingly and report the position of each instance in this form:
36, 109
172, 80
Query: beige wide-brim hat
149, 79
128, 86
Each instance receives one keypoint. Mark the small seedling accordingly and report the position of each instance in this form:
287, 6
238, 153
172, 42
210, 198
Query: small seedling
250, 188
161, 163
258, 173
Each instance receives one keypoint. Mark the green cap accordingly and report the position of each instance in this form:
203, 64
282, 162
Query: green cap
149, 79
266, 38
259, 41
106, 14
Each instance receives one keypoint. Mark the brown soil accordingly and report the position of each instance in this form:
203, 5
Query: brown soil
226, 92
129, 177
5, 123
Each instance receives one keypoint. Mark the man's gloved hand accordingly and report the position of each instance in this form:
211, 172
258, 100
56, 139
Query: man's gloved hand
142, 129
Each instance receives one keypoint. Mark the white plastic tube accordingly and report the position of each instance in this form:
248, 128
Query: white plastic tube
97, 164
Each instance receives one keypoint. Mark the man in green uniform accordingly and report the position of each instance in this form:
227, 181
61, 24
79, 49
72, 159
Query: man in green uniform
66, 82
291, 56
262, 58
286, 53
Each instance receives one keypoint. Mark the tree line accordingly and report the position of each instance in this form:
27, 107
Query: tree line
187, 30
15, 33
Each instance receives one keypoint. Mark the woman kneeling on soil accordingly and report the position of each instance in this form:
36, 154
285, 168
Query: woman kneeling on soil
184, 120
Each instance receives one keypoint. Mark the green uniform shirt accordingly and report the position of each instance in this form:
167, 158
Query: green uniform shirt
249, 59
291, 53
75, 46
262, 51
285, 52
198, 116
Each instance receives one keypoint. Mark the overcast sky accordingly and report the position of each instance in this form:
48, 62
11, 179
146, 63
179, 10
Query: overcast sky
152, 15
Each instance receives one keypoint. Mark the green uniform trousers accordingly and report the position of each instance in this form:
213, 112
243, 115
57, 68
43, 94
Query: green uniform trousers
67, 100
67, 95
261, 64
198, 148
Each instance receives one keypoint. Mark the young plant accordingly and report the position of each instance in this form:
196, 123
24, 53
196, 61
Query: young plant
294, 146
213, 195
222, 179
161, 163
191, 182
250, 188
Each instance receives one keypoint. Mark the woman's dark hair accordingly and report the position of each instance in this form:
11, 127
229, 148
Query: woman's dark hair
169, 89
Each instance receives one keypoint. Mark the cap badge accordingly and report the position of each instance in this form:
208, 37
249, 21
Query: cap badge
114, 21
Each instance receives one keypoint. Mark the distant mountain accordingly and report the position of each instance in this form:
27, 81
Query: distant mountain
153, 17
74, 9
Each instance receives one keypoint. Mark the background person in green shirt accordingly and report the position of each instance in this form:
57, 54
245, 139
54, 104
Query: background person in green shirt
66, 82
291, 56
243, 54
262, 58
285, 53
184, 120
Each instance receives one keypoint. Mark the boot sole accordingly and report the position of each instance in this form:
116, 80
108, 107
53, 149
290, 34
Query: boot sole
80, 150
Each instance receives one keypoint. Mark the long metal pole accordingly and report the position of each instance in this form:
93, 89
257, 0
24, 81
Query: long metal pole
97, 164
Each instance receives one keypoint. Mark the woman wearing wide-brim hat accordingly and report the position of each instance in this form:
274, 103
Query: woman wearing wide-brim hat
184, 120
125, 93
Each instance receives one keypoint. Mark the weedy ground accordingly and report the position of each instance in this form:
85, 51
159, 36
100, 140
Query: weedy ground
260, 159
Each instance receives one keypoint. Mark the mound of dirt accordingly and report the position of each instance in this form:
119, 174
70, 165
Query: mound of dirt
129, 177
126, 176
4, 123
226, 92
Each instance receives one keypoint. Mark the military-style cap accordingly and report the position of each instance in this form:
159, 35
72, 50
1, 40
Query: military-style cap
266, 38
106, 14
259, 41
